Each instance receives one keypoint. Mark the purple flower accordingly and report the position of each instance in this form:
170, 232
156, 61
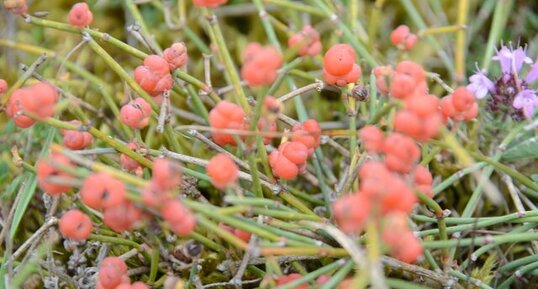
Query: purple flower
480, 85
512, 60
532, 75
527, 101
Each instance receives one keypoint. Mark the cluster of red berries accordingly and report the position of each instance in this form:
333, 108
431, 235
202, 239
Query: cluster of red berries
166, 177
154, 76
209, 3
113, 275
306, 41
136, 114
386, 187
80, 15
17, 7
339, 67
403, 38
460, 105
38, 99
222, 171
421, 117
260, 64
290, 159
76, 139
227, 115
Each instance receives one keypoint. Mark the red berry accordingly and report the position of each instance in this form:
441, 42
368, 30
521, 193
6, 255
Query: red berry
127, 163
282, 167
47, 168
412, 69
180, 218
176, 55
267, 127
166, 174
339, 59
136, 114
401, 153
399, 197
307, 133
139, 285
80, 15
402, 86
38, 99
410, 42
408, 123
222, 171
76, 139
226, 115
372, 139
323, 279
3, 86
290, 278
112, 272
422, 176
399, 34
157, 64
425, 105
296, 152
123, 217
307, 41
403, 245
75, 225
102, 191
462, 99
261, 65
351, 212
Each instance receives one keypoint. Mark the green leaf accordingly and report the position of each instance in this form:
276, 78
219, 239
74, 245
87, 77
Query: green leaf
523, 150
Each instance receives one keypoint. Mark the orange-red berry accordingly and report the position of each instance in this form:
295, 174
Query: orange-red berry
226, 115
123, 217
76, 139
180, 218
403, 38
80, 15
47, 168
282, 167
306, 41
222, 171
307, 133
102, 191
75, 225
339, 67
372, 139
38, 99
112, 273
294, 151
176, 55
166, 174
401, 153
260, 65
136, 114
351, 212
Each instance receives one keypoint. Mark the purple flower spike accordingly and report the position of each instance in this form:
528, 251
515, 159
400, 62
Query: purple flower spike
509, 58
480, 85
527, 101
532, 75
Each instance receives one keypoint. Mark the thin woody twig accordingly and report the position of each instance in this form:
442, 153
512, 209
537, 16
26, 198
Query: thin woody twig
164, 113
318, 85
